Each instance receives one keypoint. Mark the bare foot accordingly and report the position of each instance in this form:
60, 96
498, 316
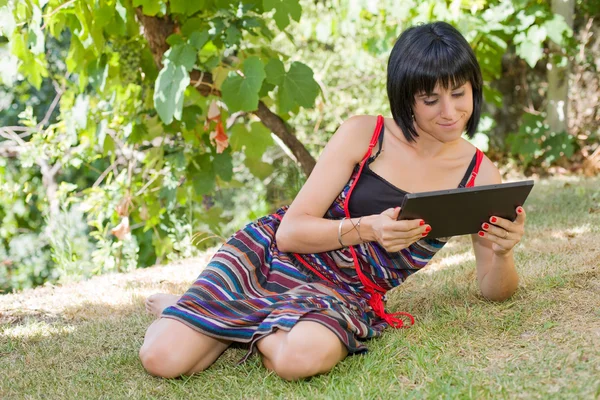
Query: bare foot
156, 303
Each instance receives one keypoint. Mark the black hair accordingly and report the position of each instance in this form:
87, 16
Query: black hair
423, 56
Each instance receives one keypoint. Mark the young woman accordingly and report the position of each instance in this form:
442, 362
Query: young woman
305, 285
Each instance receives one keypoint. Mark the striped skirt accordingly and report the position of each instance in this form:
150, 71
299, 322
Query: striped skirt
250, 289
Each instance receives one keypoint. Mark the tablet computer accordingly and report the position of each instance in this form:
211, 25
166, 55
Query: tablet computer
462, 211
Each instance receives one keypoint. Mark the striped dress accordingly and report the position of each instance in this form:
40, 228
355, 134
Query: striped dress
250, 288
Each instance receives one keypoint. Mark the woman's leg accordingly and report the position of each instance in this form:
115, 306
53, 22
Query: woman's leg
308, 349
172, 348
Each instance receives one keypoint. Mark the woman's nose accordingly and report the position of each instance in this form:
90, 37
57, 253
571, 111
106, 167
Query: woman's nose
448, 109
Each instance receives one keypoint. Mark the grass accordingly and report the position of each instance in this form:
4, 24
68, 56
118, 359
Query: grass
81, 340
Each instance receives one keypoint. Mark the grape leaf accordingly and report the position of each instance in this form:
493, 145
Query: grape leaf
253, 142
241, 93
284, 10
298, 87
182, 54
275, 71
168, 91
150, 7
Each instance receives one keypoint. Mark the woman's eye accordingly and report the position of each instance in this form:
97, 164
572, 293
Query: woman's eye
458, 94
430, 102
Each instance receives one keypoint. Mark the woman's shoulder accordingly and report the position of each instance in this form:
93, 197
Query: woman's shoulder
360, 124
488, 173
356, 132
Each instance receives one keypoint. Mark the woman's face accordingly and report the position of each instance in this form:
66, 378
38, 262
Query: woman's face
444, 113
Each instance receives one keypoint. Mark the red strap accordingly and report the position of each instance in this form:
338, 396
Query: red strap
471, 182
376, 292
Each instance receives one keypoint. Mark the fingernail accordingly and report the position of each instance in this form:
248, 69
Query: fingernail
481, 234
424, 234
421, 223
486, 226
428, 229
493, 219
520, 210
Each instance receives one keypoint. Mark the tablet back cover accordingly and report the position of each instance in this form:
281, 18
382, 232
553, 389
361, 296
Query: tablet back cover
462, 211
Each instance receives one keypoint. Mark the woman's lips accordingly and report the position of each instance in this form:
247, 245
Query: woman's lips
451, 125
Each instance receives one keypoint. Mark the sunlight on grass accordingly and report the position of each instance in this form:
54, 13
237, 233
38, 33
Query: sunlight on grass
572, 232
36, 330
449, 261
81, 340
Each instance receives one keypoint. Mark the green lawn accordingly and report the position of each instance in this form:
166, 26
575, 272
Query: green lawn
81, 340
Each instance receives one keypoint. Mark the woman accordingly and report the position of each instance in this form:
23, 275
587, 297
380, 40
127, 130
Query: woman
306, 285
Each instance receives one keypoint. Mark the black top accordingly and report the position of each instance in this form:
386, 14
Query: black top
373, 194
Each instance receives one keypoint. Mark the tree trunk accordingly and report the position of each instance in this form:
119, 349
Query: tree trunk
156, 31
558, 82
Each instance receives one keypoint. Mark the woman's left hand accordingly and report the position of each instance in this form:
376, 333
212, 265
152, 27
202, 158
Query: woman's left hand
503, 233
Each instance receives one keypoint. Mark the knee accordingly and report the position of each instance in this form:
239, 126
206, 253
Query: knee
297, 361
158, 361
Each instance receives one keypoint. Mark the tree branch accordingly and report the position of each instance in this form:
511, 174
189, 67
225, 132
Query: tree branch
156, 31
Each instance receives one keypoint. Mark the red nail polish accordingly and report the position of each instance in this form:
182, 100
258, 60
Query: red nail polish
424, 234
481, 234
520, 210
421, 223
494, 219
428, 229
486, 226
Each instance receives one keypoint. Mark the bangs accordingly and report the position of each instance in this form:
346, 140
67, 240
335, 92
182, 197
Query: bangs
439, 66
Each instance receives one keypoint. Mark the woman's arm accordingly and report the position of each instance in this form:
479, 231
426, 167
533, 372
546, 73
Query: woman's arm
493, 246
303, 228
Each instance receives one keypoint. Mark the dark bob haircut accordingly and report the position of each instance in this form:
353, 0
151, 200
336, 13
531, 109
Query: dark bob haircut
423, 56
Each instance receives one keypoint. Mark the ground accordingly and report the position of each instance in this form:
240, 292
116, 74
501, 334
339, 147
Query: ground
80, 340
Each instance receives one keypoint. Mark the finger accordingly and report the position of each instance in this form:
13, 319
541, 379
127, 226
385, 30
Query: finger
506, 243
495, 230
521, 216
408, 239
501, 222
392, 213
407, 225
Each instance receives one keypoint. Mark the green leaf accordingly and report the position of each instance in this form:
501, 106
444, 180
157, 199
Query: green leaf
223, 165
556, 28
298, 87
191, 116
202, 175
35, 71
258, 168
525, 20
7, 22
199, 39
275, 71
139, 133
174, 39
98, 72
150, 7
530, 52
35, 38
168, 91
284, 10
182, 54
232, 35
186, 7
241, 93
254, 142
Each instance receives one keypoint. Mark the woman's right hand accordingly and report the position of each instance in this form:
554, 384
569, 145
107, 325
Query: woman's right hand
394, 235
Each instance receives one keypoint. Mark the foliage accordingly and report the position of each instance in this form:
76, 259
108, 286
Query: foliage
153, 148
